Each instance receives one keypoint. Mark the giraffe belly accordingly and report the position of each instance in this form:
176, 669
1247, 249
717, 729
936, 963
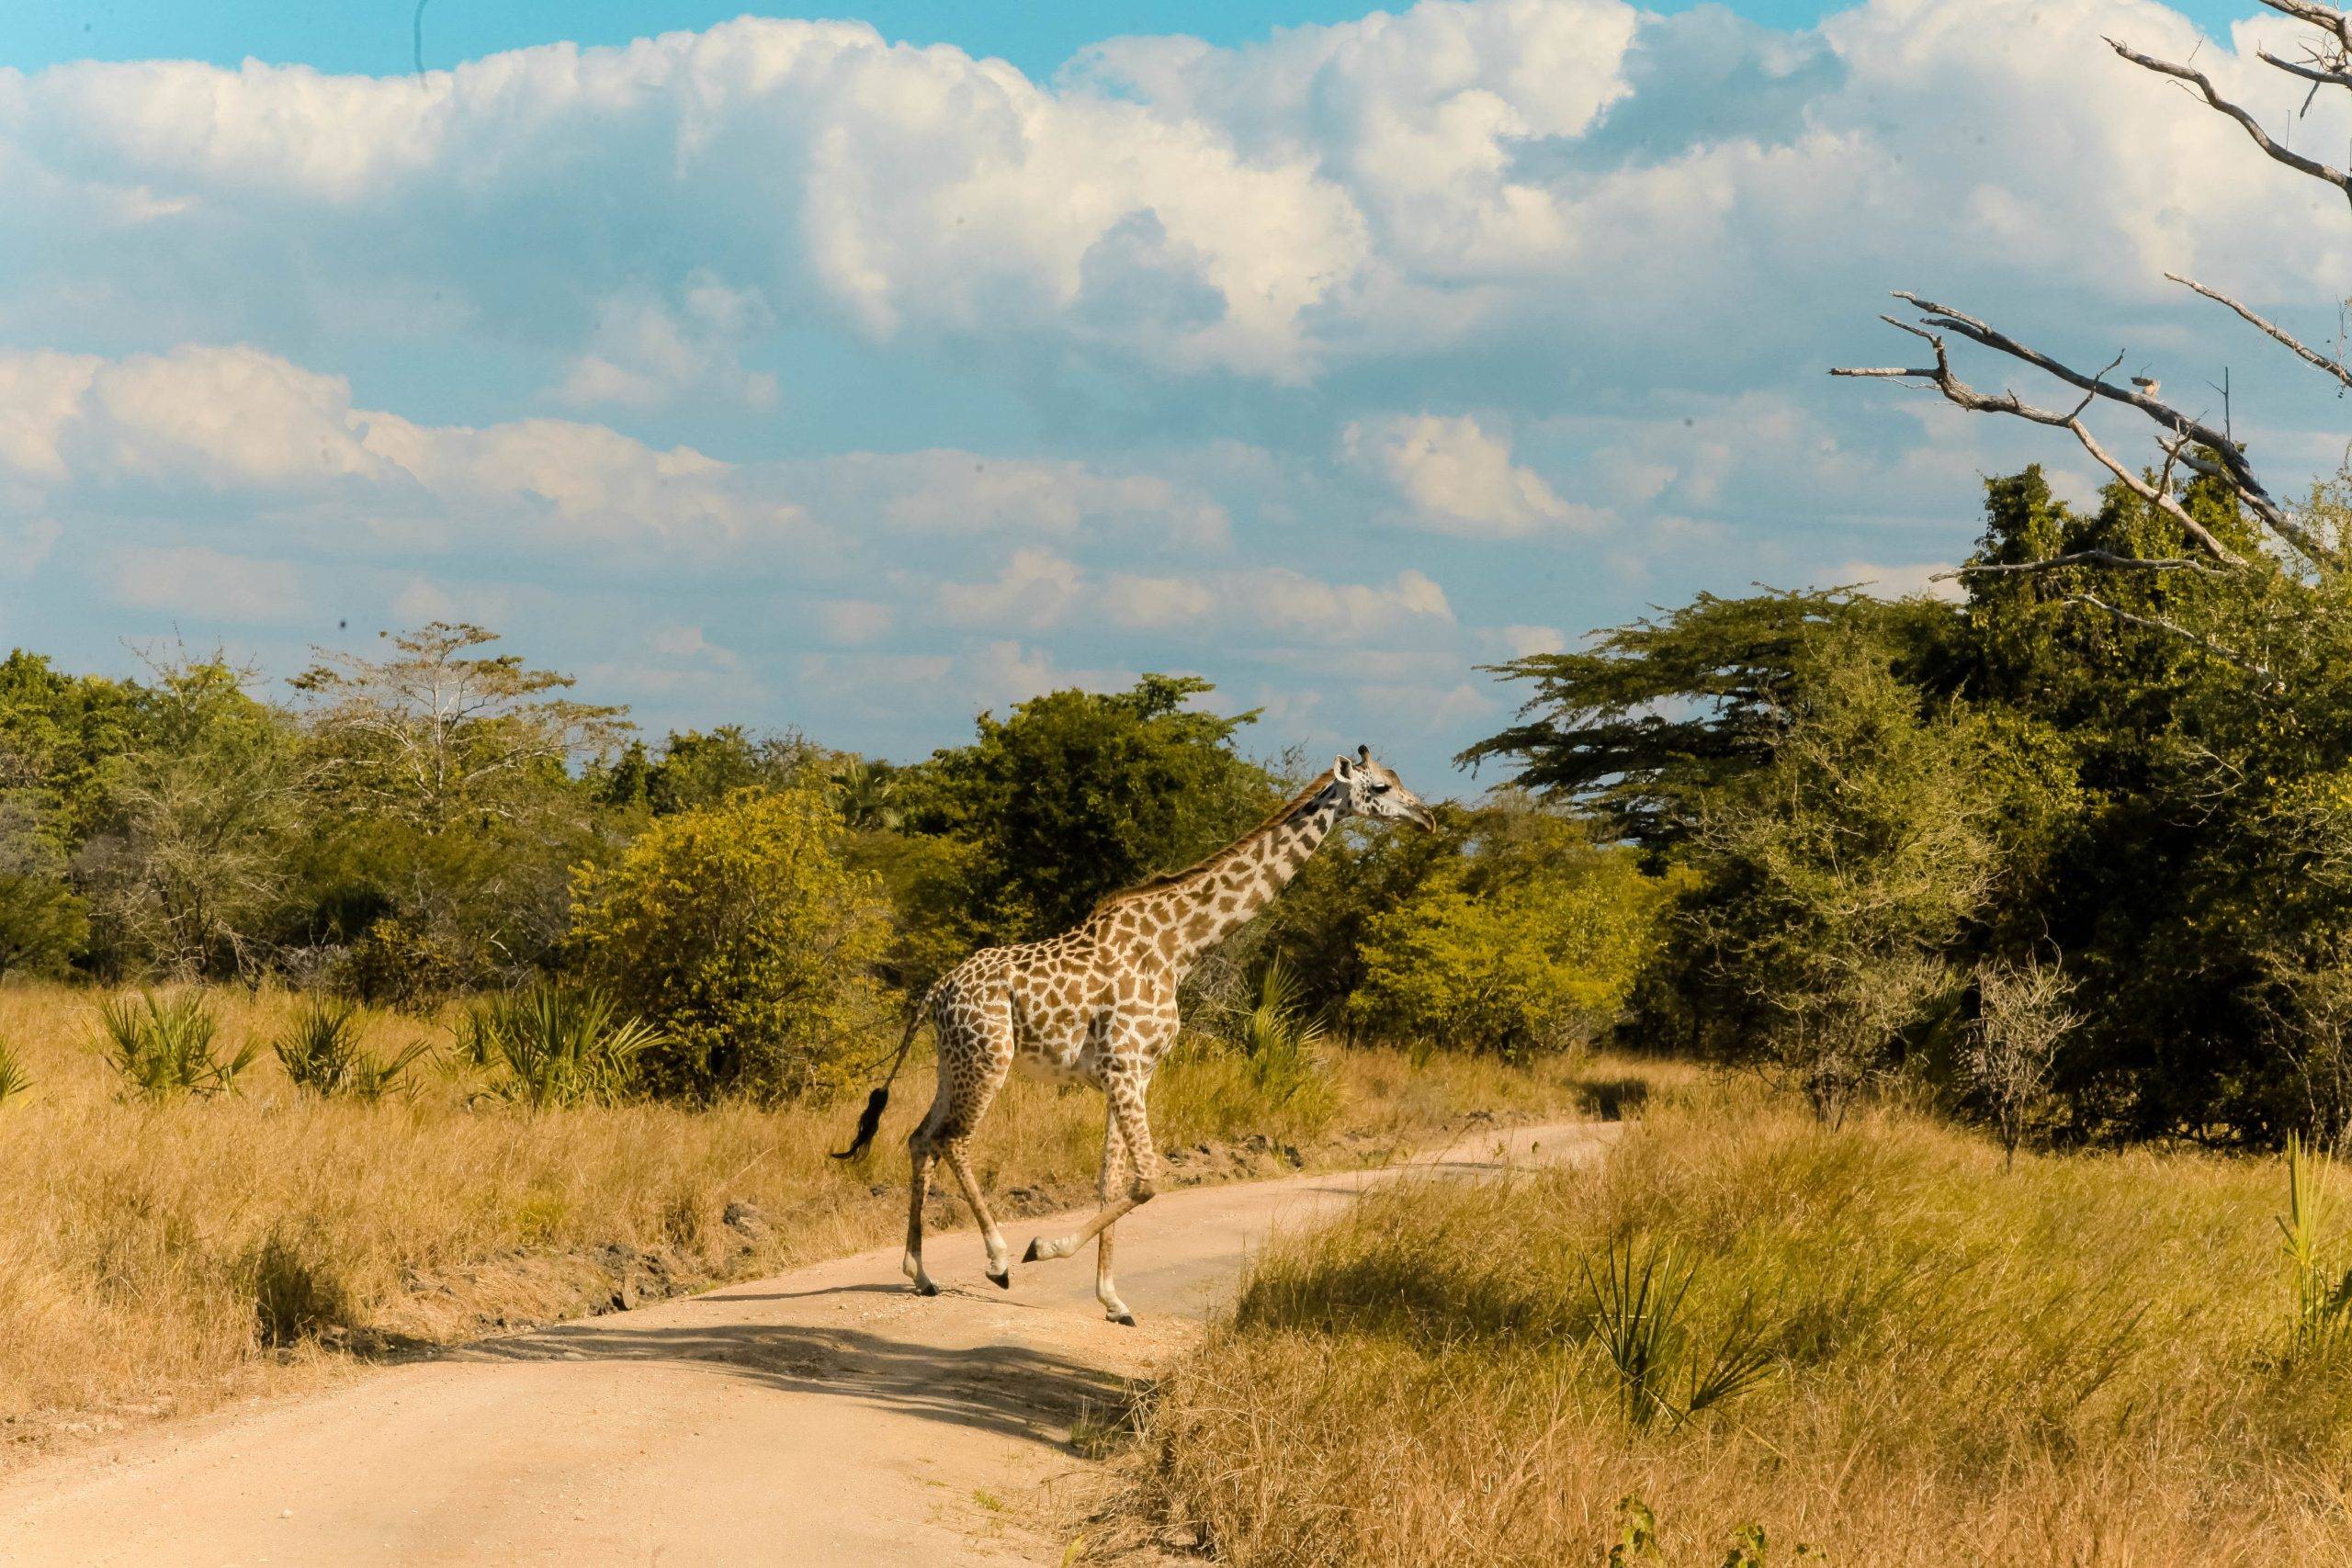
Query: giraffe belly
1054, 1064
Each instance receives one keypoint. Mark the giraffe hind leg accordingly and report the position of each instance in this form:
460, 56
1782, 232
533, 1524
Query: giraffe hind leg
918, 1189
1115, 1179
999, 1268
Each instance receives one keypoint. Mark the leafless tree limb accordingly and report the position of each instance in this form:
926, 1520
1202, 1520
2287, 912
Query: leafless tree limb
2153, 623
2308, 355
2184, 432
2275, 151
2319, 16
2307, 70
1941, 377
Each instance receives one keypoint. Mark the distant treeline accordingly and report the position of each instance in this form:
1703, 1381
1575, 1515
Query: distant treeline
436, 818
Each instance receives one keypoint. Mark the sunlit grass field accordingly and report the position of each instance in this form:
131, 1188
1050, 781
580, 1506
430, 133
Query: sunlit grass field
159, 1257
2087, 1359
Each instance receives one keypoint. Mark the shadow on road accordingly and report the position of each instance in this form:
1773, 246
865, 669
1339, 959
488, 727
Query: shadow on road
1009, 1390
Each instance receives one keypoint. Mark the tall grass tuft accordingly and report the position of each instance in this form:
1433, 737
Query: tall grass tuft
13, 1079
554, 1045
165, 1046
323, 1054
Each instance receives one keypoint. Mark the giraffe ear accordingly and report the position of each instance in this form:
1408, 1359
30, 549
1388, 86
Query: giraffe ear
1342, 770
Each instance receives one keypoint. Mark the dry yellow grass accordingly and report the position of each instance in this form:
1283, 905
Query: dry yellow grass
158, 1258
2081, 1361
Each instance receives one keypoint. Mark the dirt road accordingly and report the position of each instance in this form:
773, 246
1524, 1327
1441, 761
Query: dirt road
822, 1416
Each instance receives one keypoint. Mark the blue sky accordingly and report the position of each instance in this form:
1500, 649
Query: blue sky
375, 37
780, 373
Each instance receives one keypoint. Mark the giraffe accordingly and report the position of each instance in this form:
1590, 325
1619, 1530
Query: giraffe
1098, 1005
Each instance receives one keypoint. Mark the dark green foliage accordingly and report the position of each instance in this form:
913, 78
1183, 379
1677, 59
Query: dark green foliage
187, 866
696, 770
1654, 716
2168, 806
1079, 794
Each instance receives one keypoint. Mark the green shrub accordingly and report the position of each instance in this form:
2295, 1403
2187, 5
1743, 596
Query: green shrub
738, 930
166, 1047
43, 927
1526, 947
554, 1045
322, 1053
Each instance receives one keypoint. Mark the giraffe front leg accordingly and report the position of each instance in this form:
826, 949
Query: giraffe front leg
1125, 1091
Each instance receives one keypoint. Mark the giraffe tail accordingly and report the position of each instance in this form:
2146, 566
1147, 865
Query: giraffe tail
869, 1121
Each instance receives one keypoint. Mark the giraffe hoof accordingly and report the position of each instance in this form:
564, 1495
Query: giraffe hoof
1125, 1320
1002, 1282
1032, 1255
925, 1288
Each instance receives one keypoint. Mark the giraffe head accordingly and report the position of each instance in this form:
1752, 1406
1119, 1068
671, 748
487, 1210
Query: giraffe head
1370, 790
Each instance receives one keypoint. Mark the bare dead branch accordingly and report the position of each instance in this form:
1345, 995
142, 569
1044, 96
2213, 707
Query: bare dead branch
2326, 17
2237, 472
2253, 126
1955, 390
2271, 329
2157, 623
2317, 73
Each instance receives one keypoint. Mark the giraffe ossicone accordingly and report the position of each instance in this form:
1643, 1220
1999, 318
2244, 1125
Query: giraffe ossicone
1097, 1004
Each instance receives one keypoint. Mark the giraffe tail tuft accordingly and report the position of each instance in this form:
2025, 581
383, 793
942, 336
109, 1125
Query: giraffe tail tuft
870, 1121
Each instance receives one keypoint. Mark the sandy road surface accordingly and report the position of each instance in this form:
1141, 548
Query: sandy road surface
821, 1416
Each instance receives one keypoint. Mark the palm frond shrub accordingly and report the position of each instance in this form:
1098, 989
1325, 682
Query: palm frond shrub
1279, 1038
14, 1080
321, 1051
167, 1046
558, 1045
2322, 1294
1638, 1298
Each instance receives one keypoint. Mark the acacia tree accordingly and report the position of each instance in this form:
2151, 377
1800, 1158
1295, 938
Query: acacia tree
449, 771
439, 732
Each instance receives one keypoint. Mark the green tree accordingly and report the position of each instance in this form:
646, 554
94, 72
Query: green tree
1078, 793
186, 869
1838, 875
696, 770
44, 925
740, 934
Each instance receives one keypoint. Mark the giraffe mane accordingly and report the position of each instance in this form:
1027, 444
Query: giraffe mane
1168, 879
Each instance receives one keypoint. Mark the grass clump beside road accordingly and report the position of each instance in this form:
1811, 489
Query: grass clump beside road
340, 1192
1916, 1357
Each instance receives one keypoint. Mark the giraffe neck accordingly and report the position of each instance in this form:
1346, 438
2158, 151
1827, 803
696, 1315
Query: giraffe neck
1234, 884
